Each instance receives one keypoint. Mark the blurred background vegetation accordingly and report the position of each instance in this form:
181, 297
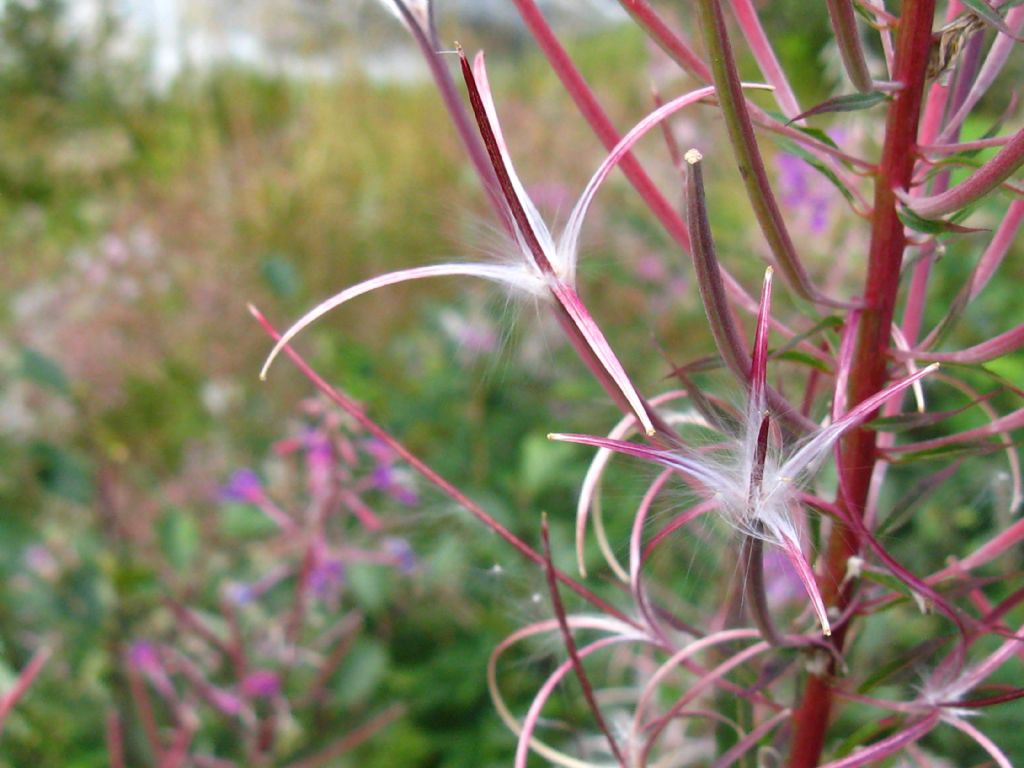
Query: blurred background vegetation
141, 210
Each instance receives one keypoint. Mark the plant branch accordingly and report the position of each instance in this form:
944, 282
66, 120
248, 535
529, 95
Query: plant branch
868, 371
748, 155
844, 25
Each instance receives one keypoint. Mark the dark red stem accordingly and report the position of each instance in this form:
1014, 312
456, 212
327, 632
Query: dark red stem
868, 373
570, 642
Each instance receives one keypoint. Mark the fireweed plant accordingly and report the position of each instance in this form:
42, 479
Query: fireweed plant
253, 678
751, 682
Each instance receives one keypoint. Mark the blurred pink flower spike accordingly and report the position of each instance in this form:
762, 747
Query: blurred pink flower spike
542, 267
22, 683
754, 490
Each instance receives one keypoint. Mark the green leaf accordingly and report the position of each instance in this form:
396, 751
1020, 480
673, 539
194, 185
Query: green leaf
930, 226
178, 536
542, 463
281, 276
44, 371
371, 585
700, 365
361, 673
63, 473
990, 15
906, 421
864, 13
798, 356
848, 102
828, 323
889, 582
926, 650
904, 508
953, 450
244, 521
865, 734
814, 133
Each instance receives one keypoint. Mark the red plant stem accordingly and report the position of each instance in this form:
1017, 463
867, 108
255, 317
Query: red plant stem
426, 39
115, 740
669, 41
570, 642
22, 684
868, 372
599, 121
145, 708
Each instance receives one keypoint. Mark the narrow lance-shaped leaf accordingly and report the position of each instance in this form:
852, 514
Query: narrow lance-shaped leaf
991, 17
849, 102
918, 223
999, 427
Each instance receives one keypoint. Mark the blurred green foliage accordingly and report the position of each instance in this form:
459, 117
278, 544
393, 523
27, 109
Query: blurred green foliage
281, 192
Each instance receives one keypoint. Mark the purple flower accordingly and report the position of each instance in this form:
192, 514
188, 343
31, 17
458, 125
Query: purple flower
318, 448
378, 451
245, 485
143, 656
382, 476
402, 552
261, 684
319, 462
239, 593
651, 268
804, 190
396, 485
242, 592
226, 703
327, 576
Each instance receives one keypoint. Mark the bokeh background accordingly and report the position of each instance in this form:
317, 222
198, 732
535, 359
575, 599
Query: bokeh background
164, 163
